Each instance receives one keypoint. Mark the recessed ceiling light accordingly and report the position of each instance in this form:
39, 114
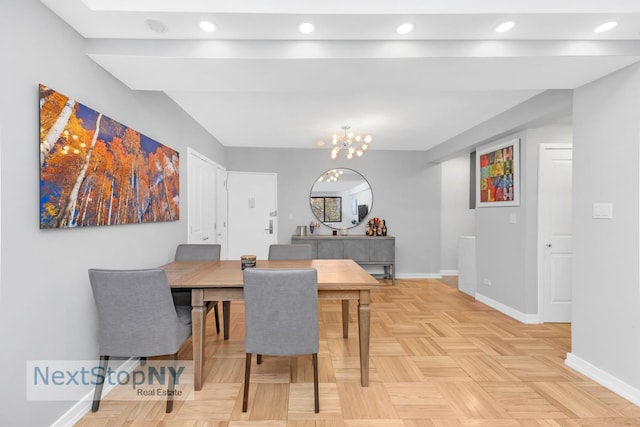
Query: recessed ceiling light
404, 28
306, 28
155, 25
605, 27
207, 26
505, 26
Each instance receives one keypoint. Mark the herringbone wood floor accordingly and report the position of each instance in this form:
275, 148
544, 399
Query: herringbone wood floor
438, 358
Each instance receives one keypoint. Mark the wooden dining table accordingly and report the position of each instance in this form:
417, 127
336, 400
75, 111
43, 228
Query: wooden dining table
338, 279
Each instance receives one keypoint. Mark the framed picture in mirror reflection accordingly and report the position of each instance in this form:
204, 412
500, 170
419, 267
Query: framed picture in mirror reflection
327, 209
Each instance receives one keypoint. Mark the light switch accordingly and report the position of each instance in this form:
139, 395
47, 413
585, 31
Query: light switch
252, 202
512, 218
603, 210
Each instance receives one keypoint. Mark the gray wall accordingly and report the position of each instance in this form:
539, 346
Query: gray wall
500, 244
406, 193
46, 306
606, 292
506, 252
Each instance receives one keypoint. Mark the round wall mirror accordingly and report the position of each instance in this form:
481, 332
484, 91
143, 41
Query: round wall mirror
341, 198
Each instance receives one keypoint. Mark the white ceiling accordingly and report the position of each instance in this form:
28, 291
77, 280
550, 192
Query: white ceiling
258, 82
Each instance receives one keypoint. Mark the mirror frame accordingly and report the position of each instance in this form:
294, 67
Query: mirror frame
323, 203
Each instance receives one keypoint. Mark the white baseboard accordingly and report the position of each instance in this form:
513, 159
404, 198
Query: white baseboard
418, 276
449, 272
83, 406
603, 378
530, 319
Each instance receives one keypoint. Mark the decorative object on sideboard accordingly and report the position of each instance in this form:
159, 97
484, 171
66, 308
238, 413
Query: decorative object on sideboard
376, 227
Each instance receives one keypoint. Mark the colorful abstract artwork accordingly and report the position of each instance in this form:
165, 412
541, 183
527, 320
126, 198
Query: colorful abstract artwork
95, 171
497, 169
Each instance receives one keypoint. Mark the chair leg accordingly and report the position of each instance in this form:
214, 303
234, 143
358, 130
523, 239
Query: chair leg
259, 359
97, 394
247, 376
171, 386
215, 313
315, 383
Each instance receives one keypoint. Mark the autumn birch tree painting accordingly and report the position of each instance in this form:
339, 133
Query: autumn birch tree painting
96, 171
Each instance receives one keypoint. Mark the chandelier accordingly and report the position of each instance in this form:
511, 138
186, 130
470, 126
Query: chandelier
349, 142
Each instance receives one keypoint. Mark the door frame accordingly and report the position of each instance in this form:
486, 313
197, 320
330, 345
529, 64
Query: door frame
540, 224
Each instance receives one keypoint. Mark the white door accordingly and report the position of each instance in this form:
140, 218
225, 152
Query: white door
253, 213
556, 232
206, 220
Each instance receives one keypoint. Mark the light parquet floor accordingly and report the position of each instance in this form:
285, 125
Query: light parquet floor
438, 359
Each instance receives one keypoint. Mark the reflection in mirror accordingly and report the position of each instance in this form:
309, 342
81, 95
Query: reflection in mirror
341, 198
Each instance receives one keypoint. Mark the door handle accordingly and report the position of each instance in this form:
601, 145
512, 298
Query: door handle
205, 238
548, 245
270, 229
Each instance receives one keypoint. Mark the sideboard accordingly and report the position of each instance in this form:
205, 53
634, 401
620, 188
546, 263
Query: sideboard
365, 250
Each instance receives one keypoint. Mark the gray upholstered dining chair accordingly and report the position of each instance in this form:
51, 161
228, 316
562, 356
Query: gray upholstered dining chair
279, 251
137, 318
295, 251
281, 318
196, 252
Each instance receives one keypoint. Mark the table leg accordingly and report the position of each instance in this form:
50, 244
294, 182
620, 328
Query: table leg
198, 318
364, 322
345, 318
226, 315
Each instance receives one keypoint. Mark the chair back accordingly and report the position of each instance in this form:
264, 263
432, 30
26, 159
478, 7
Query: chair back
281, 311
295, 251
136, 313
197, 252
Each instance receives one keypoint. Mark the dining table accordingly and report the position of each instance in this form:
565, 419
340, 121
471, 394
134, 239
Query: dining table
338, 279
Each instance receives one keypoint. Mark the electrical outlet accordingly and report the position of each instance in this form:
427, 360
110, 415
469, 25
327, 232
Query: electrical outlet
487, 282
